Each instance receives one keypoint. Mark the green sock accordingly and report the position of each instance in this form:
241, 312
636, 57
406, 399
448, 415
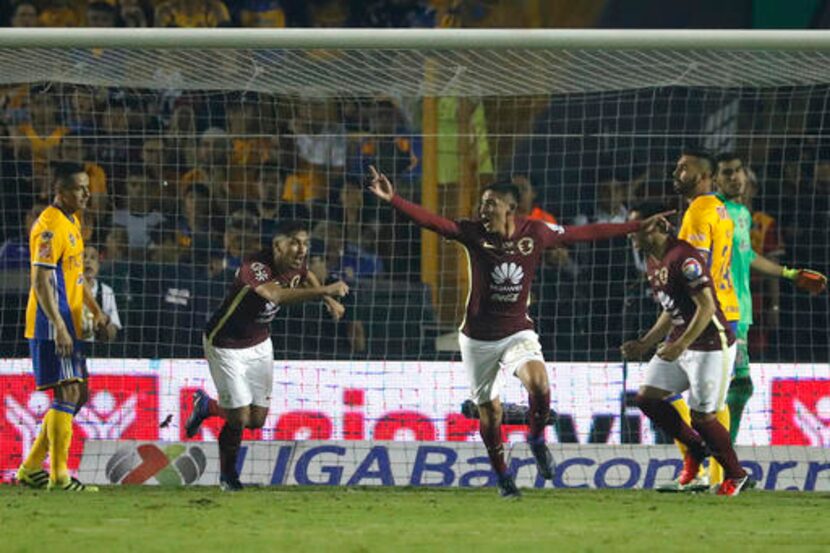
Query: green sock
740, 390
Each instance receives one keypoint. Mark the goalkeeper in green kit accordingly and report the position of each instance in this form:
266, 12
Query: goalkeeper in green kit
731, 182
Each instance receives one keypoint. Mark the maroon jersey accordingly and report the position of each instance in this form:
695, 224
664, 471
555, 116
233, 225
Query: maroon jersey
674, 279
243, 320
502, 269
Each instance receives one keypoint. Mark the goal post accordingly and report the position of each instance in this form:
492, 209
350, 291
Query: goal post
198, 141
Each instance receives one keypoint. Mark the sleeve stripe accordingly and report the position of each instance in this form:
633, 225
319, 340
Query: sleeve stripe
47, 265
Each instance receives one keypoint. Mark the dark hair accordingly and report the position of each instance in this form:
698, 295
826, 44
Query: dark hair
290, 227
504, 188
64, 171
703, 154
242, 219
725, 157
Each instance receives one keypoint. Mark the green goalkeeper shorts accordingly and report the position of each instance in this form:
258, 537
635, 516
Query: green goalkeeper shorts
741, 368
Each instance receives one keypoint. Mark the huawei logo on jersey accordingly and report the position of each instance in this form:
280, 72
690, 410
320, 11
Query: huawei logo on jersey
508, 273
507, 282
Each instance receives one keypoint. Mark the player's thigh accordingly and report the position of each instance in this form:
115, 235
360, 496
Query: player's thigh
665, 375
260, 373
481, 361
523, 357
228, 369
708, 373
50, 369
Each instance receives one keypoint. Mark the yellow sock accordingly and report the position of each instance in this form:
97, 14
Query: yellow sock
682, 409
37, 454
59, 431
715, 470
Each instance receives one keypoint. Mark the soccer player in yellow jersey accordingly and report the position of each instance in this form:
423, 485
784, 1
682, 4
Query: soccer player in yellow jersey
53, 324
709, 229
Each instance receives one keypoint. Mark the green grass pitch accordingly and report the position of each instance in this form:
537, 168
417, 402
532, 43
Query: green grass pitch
394, 519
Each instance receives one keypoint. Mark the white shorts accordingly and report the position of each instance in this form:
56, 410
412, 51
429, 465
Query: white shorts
483, 359
242, 376
704, 373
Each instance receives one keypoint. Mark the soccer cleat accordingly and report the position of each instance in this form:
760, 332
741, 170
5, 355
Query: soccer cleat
691, 469
198, 414
230, 483
544, 459
71, 485
507, 487
734, 486
37, 479
698, 484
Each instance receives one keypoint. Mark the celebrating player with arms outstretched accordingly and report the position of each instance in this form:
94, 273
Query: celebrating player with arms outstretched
238, 344
697, 354
503, 251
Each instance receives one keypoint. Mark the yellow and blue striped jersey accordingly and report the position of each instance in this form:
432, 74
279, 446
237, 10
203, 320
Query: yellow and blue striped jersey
709, 229
56, 243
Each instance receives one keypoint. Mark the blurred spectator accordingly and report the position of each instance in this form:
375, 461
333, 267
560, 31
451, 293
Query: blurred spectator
212, 158
355, 330
60, 13
139, 218
165, 247
101, 14
116, 246
38, 138
82, 110
453, 112
14, 252
251, 147
181, 138
529, 208
193, 231
345, 258
390, 146
133, 14
105, 297
766, 298
192, 13
114, 147
259, 13
24, 14
242, 237
320, 143
328, 13
396, 13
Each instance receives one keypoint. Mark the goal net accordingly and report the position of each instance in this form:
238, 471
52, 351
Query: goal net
198, 143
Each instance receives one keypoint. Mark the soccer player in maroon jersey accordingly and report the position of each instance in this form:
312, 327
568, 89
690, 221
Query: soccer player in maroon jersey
504, 251
237, 339
696, 352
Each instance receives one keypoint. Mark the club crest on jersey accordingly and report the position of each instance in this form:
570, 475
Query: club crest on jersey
259, 271
72, 239
692, 269
525, 245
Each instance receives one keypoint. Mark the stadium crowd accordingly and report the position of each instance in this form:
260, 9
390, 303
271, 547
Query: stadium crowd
186, 183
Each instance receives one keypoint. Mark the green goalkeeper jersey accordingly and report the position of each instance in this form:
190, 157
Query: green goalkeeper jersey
742, 256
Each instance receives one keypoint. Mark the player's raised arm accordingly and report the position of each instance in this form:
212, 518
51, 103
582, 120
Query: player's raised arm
278, 295
382, 187
557, 235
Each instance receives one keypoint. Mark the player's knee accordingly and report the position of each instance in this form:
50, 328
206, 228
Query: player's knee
255, 423
490, 411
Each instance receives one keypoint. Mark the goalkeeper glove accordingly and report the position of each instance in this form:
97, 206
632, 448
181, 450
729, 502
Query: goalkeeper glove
805, 279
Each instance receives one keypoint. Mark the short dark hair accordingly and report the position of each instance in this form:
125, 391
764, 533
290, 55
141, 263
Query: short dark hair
290, 227
63, 172
725, 157
703, 154
198, 189
504, 188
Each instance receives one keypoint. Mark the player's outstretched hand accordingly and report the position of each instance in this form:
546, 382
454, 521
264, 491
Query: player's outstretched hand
633, 350
335, 308
658, 219
811, 281
337, 289
381, 186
